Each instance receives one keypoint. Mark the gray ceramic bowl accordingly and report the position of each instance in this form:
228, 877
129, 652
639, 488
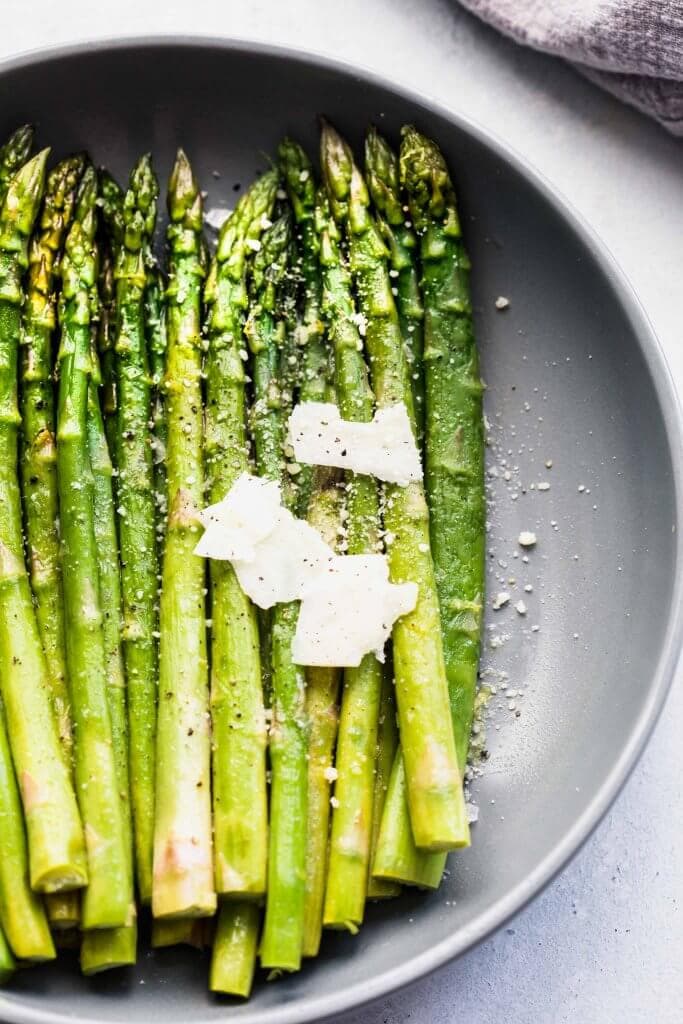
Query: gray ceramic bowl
574, 377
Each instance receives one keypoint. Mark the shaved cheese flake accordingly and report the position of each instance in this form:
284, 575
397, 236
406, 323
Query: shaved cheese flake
284, 563
384, 448
247, 515
348, 611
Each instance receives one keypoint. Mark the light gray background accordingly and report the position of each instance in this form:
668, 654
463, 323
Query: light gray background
604, 943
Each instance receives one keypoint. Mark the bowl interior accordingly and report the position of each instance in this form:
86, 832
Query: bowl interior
572, 401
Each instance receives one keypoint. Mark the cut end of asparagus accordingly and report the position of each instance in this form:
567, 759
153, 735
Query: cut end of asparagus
425, 176
381, 169
106, 949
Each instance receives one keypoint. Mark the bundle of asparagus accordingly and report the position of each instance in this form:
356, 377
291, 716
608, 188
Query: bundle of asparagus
159, 745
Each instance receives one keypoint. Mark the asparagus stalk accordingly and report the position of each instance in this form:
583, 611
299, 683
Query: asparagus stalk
454, 475
351, 833
299, 181
39, 462
281, 944
7, 961
55, 837
106, 902
234, 948
155, 329
387, 743
382, 175
240, 811
437, 807
183, 880
111, 200
13, 155
104, 948
135, 497
21, 911
322, 691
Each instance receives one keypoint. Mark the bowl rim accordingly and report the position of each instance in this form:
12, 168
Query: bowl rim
312, 1009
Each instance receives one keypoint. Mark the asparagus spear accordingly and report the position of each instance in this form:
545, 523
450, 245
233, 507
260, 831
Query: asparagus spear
7, 961
322, 690
382, 174
283, 930
435, 795
55, 836
111, 199
104, 948
234, 948
13, 154
21, 911
387, 743
135, 497
239, 735
297, 172
155, 329
183, 883
454, 471
356, 744
39, 462
106, 902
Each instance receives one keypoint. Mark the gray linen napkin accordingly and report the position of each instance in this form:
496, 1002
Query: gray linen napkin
633, 48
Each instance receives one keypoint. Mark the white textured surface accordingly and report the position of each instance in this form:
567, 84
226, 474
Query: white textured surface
603, 944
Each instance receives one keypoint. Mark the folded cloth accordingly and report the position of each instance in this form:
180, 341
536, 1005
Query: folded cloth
633, 48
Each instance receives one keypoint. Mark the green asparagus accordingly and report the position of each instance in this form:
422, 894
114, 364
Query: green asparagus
39, 462
357, 739
13, 155
106, 901
322, 691
39, 459
22, 915
382, 173
281, 944
55, 836
239, 734
435, 795
234, 948
135, 499
105, 948
455, 427
155, 329
183, 877
387, 743
313, 361
111, 200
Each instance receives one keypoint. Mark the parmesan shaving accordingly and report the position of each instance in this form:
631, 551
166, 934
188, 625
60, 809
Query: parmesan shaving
348, 611
235, 526
285, 562
384, 447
